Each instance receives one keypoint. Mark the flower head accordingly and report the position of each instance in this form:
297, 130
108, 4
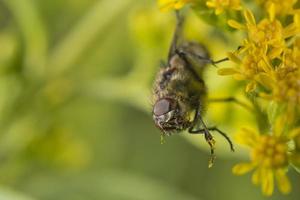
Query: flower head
283, 82
270, 156
284, 86
268, 31
222, 5
265, 42
250, 64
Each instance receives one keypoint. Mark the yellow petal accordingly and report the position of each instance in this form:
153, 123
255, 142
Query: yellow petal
239, 77
297, 19
227, 71
242, 168
219, 11
265, 96
265, 80
267, 182
290, 30
257, 176
278, 126
235, 24
246, 137
249, 17
283, 182
251, 86
275, 52
166, 7
233, 58
266, 64
271, 12
179, 4
210, 4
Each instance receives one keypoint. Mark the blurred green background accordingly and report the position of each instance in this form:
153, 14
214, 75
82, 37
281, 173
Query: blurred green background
75, 106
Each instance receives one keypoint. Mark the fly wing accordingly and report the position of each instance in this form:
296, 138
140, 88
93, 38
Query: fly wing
196, 54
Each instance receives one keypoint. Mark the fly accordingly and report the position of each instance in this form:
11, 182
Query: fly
180, 93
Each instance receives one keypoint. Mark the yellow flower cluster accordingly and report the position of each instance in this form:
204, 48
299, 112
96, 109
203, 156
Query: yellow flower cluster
270, 156
268, 61
221, 5
269, 57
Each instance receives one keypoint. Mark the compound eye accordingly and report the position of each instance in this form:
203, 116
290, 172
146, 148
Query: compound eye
162, 107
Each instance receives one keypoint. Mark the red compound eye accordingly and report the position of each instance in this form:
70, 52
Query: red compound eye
163, 106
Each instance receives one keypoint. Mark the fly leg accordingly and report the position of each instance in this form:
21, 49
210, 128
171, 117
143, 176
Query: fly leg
208, 137
205, 59
214, 128
200, 58
210, 141
229, 100
177, 33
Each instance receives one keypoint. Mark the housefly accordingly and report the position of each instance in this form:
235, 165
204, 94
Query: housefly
180, 93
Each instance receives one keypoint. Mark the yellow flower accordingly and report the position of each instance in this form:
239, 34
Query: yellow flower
283, 82
284, 85
268, 31
266, 42
222, 5
287, 87
166, 5
297, 18
291, 57
270, 157
249, 66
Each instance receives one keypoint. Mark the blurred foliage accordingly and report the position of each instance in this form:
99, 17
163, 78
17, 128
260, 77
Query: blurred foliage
75, 82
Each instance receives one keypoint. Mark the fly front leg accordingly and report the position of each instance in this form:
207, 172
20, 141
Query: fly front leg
210, 141
218, 131
208, 137
176, 36
201, 58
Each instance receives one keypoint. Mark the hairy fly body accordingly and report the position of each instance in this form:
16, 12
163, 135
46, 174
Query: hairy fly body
180, 93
